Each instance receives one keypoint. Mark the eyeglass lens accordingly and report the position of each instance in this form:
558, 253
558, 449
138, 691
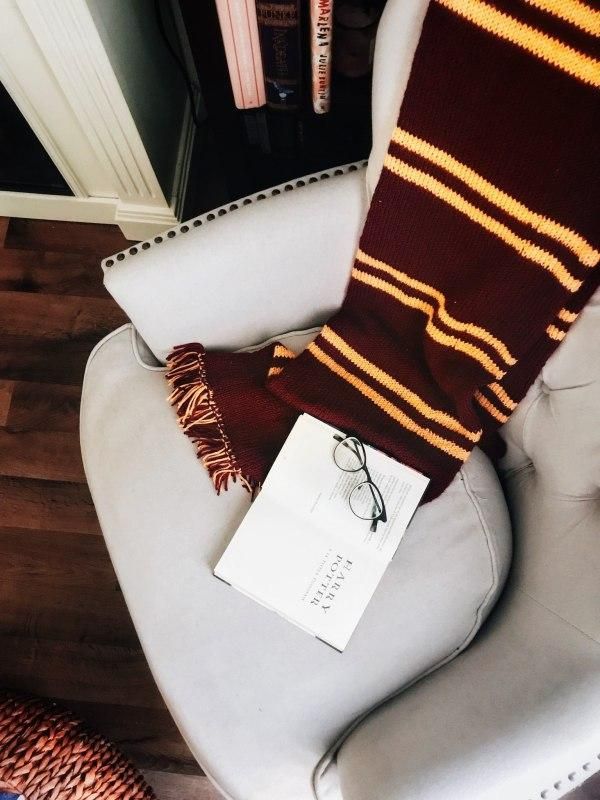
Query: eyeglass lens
349, 455
366, 501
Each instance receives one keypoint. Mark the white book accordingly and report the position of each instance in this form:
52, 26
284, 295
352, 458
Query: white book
302, 552
321, 35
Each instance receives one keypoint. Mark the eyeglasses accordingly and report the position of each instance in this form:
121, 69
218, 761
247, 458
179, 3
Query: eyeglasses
365, 500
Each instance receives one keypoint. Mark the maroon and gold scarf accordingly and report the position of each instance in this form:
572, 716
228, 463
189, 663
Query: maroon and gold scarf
478, 252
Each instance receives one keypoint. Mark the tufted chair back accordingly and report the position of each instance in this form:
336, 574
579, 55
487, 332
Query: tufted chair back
552, 478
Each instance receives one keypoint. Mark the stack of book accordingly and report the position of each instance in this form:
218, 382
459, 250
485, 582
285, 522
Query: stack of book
287, 91
268, 42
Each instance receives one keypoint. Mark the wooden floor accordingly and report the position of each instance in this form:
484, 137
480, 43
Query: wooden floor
64, 629
589, 791
65, 632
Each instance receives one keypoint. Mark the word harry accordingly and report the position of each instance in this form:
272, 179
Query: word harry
332, 583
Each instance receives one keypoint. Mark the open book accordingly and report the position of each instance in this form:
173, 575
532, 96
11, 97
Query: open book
302, 551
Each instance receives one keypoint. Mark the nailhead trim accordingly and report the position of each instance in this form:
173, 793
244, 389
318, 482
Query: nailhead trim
196, 222
572, 777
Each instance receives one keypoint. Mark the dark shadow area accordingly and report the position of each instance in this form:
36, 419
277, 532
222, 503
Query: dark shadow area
24, 164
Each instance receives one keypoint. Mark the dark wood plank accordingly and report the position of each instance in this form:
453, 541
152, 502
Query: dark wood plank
72, 237
96, 673
58, 317
41, 360
76, 274
181, 787
43, 455
590, 790
6, 395
64, 627
45, 591
29, 406
35, 505
148, 735
3, 229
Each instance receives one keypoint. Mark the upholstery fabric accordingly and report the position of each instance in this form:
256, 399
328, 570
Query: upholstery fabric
258, 700
516, 715
195, 278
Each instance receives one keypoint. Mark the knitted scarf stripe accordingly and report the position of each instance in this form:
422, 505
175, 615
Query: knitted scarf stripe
479, 250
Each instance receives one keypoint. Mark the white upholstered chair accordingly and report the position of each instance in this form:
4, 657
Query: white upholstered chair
403, 713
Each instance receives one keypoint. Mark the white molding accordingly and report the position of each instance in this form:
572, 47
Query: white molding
142, 222
138, 222
55, 66
34, 88
49, 206
37, 124
66, 34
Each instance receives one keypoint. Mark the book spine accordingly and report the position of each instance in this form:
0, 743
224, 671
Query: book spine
239, 28
279, 28
321, 34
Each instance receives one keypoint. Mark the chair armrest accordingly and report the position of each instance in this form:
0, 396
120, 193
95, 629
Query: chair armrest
515, 716
232, 278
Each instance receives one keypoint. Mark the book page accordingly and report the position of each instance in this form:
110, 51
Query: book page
302, 552
305, 477
318, 582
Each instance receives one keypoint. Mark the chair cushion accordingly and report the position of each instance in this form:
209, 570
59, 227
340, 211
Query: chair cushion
259, 701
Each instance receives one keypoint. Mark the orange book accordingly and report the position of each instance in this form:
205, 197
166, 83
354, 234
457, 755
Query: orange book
239, 29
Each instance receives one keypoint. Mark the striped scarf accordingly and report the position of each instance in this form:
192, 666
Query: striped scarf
478, 252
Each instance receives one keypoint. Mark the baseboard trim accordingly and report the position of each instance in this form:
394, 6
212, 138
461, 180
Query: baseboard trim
58, 207
136, 222
139, 222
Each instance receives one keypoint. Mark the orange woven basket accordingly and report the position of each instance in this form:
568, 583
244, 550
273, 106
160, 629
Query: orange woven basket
47, 754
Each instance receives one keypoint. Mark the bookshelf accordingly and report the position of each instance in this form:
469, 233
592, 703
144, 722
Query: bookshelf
242, 152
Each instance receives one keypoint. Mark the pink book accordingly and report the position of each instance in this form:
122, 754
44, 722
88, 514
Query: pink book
239, 29
321, 32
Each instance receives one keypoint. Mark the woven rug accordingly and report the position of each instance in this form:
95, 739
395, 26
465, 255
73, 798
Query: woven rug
46, 753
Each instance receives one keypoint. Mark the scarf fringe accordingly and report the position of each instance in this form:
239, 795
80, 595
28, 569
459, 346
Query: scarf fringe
199, 416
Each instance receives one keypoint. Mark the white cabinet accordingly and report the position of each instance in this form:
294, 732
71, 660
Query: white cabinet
97, 85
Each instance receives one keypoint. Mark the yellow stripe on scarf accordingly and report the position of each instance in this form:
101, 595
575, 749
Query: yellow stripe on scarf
451, 322
524, 248
555, 333
431, 329
544, 225
578, 14
386, 380
490, 407
388, 408
502, 395
552, 51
